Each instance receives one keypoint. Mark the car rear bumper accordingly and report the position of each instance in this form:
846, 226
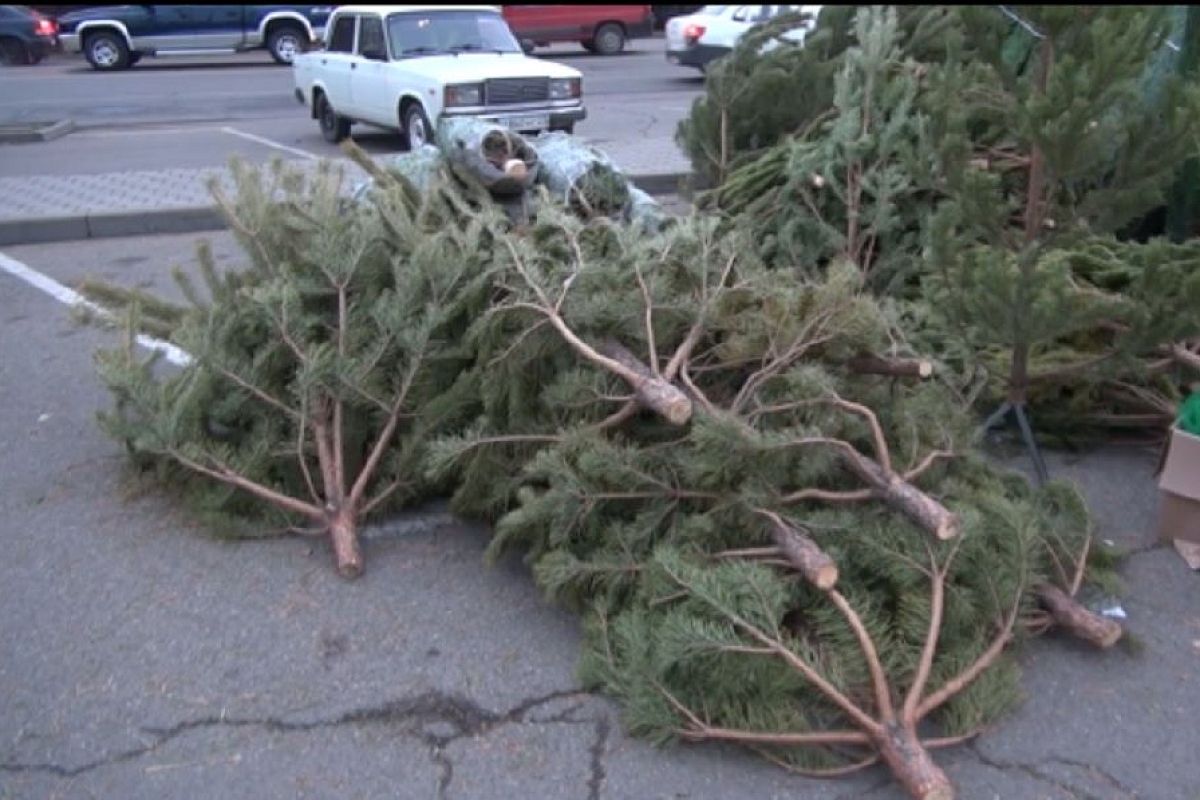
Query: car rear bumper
40, 46
70, 42
700, 55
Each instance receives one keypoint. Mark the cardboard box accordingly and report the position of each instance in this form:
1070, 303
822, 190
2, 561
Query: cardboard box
1179, 506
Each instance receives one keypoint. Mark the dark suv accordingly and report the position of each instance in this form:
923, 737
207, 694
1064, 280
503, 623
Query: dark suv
25, 35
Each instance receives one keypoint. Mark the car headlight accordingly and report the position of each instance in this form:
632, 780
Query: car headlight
464, 94
565, 88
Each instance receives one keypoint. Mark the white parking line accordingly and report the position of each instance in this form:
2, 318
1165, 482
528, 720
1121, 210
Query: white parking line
72, 298
269, 143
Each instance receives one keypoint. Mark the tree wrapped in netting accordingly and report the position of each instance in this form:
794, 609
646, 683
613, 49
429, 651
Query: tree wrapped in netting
318, 373
775, 83
672, 431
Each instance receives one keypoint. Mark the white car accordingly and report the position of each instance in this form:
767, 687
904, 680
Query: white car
696, 40
406, 67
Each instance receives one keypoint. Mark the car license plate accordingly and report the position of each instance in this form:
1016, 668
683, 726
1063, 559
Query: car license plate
527, 122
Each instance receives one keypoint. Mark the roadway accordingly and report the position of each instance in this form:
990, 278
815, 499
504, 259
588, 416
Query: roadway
176, 112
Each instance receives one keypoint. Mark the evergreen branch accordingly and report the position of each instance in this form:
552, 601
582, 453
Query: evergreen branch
226, 475
381, 496
686, 378
649, 319
953, 741
860, 717
702, 731
333, 492
883, 694
937, 596
266, 397
963, 679
828, 496
368, 468
927, 462
304, 470
339, 450
833, 772
882, 454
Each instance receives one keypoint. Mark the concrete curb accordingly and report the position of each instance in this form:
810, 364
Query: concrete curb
46, 230
20, 132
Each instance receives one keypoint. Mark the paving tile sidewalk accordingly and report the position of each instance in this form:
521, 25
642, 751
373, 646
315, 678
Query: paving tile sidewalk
48, 208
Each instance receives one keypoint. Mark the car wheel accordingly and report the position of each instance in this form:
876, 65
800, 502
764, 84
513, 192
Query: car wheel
106, 51
13, 52
589, 45
609, 39
285, 42
334, 128
417, 130
134, 58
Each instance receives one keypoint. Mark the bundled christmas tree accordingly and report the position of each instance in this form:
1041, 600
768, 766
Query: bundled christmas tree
318, 373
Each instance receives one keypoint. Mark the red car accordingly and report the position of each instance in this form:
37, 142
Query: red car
600, 29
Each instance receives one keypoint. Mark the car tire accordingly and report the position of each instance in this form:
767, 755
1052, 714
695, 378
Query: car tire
134, 58
106, 51
588, 45
13, 52
609, 39
415, 127
285, 42
334, 128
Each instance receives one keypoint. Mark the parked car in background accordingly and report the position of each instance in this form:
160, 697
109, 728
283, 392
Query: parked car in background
696, 40
600, 29
117, 37
26, 36
664, 13
406, 67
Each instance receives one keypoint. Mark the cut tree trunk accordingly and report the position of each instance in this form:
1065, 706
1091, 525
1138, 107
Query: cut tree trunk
655, 393
343, 535
896, 367
1072, 617
907, 498
911, 765
803, 554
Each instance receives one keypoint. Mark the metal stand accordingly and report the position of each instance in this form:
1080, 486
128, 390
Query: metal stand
1018, 411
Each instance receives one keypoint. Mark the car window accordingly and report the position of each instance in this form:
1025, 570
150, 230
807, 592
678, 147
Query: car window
370, 36
342, 39
430, 32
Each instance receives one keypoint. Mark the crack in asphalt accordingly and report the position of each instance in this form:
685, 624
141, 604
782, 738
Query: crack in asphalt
424, 716
1035, 771
596, 779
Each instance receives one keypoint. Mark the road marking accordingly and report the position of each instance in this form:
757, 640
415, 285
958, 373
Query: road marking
269, 143
72, 298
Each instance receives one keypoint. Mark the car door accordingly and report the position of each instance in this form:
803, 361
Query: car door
227, 27
335, 61
370, 96
181, 28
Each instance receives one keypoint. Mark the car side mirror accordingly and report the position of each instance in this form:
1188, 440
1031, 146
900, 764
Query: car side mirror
527, 46
740, 15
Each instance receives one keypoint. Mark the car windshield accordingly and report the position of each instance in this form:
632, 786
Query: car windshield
435, 32
714, 11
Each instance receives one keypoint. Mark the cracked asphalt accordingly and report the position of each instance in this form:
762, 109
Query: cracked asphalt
142, 658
